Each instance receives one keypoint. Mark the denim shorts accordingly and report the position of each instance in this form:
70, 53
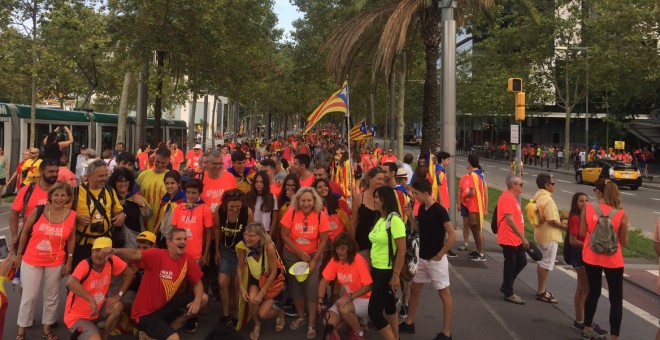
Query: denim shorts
575, 255
228, 260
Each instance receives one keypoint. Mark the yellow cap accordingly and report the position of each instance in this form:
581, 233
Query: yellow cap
147, 236
102, 242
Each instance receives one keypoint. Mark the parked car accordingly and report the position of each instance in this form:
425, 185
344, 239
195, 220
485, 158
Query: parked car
622, 174
411, 139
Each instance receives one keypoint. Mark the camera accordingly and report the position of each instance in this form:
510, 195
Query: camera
97, 227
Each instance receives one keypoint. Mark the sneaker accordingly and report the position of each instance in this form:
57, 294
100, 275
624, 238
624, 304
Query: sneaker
578, 325
290, 311
463, 247
225, 320
451, 255
591, 334
442, 336
406, 328
599, 330
478, 258
403, 312
191, 325
473, 253
355, 336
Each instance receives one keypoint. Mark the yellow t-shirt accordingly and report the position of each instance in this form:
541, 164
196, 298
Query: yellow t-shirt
33, 175
111, 204
152, 187
544, 232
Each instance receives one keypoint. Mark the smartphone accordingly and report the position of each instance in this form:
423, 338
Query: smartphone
4, 248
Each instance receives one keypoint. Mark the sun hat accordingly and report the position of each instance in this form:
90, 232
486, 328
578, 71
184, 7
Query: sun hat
300, 270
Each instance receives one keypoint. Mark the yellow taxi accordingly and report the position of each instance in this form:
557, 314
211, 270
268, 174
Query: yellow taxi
623, 174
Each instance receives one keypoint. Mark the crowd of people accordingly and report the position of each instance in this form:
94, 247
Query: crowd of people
155, 236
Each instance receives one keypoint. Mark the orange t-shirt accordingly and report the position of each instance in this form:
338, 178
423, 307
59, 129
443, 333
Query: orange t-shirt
351, 276
275, 189
38, 197
194, 220
176, 159
214, 188
305, 235
467, 183
588, 255
387, 159
508, 204
48, 240
96, 284
194, 158
307, 182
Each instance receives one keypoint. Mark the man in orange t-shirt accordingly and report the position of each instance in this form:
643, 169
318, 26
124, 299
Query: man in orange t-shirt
216, 181
193, 158
388, 157
511, 236
86, 303
177, 156
473, 207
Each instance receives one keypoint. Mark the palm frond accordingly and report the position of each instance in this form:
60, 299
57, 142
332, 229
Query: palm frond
395, 33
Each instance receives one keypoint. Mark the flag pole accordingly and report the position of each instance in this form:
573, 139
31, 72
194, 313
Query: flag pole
348, 138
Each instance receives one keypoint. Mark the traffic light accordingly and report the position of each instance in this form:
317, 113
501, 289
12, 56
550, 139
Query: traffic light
520, 106
514, 85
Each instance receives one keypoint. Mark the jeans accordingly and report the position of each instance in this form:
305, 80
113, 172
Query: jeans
514, 262
382, 298
614, 277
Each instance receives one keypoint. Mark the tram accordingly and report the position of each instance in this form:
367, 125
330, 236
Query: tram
95, 130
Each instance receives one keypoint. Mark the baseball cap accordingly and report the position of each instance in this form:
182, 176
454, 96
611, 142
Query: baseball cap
83, 146
102, 242
401, 172
147, 236
197, 146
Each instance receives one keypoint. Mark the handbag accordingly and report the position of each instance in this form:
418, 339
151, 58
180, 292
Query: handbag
534, 252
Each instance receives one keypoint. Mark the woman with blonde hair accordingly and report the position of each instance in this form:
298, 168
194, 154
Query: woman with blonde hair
261, 273
305, 229
45, 250
609, 203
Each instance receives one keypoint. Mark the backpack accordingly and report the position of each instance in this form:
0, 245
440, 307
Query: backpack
532, 210
567, 248
412, 249
603, 240
494, 222
89, 271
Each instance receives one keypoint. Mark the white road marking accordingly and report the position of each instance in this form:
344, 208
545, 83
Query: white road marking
563, 181
626, 193
653, 272
655, 212
627, 305
655, 199
504, 169
490, 166
5, 213
568, 192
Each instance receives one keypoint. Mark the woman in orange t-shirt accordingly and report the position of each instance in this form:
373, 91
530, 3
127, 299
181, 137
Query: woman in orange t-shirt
305, 233
607, 194
45, 243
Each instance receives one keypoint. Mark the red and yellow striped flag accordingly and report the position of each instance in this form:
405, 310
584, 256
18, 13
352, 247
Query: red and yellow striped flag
337, 102
433, 177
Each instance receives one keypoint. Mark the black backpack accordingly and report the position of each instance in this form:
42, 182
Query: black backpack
494, 223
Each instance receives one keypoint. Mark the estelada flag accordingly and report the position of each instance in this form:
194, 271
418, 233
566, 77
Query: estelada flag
433, 177
337, 102
359, 131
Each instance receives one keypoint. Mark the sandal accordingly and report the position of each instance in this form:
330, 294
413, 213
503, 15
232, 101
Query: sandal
49, 336
546, 297
311, 332
297, 323
20, 337
515, 299
279, 321
254, 335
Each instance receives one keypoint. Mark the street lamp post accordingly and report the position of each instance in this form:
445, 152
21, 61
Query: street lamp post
586, 85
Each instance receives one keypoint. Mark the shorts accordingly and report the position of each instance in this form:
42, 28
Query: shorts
361, 307
157, 324
3, 181
474, 219
464, 211
88, 327
549, 251
436, 272
228, 260
575, 255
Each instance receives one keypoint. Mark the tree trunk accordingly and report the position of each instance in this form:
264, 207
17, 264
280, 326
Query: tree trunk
567, 126
400, 127
143, 94
33, 76
123, 111
372, 101
158, 101
430, 23
191, 121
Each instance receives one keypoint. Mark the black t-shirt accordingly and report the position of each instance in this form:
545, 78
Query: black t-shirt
431, 230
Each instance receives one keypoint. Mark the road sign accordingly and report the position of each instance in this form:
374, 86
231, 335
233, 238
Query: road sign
619, 144
515, 134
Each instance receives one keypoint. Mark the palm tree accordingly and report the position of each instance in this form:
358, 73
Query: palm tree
380, 32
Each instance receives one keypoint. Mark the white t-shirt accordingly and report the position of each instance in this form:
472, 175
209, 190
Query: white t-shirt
409, 171
583, 156
262, 217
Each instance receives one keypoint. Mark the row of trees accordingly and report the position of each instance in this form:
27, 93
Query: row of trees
387, 49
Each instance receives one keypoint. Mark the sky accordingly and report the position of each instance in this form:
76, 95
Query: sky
286, 13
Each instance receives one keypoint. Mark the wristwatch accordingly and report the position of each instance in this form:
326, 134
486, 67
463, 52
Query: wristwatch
121, 294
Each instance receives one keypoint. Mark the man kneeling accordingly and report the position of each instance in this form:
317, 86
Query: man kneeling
86, 304
157, 310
